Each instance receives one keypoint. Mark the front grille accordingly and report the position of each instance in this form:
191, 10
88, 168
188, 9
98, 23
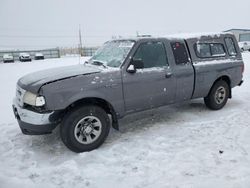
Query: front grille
19, 95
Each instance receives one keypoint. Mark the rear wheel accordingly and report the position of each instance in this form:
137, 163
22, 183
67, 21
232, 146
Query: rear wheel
218, 95
85, 128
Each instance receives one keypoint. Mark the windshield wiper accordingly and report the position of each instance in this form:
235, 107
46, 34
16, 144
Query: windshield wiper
99, 63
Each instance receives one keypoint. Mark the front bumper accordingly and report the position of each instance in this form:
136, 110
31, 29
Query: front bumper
34, 123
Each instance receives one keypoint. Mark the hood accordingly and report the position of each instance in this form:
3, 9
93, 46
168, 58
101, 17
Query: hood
32, 82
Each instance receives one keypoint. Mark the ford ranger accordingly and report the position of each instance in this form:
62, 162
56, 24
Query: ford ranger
123, 77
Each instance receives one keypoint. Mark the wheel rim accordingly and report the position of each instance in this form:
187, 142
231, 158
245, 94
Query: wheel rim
88, 130
220, 95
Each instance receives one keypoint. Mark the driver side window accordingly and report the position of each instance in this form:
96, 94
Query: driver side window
152, 54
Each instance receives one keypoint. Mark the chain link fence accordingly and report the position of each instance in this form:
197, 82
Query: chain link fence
48, 53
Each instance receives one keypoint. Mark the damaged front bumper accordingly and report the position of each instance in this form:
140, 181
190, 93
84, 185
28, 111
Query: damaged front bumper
35, 123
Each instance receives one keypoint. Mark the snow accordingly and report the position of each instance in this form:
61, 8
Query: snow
196, 35
245, 45
152, 69
215, 62
39, 55
24, 54
182, 145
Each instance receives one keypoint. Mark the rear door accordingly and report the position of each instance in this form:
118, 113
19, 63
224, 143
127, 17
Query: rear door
151, 86
183, 71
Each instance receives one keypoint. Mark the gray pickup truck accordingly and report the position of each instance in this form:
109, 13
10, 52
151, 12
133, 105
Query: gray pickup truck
123, 77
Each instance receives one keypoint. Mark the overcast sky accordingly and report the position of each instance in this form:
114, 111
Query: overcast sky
51, 23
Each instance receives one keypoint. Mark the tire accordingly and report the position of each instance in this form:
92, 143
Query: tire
218, 95
85, 128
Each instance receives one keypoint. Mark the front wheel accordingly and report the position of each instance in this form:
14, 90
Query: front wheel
85, 128
218, 95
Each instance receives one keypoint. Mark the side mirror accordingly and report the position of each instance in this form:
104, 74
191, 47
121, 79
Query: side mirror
131, 69
135, 64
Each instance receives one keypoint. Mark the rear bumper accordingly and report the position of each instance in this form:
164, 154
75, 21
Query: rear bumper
39, 57
8, 60
241, 82
24, 60
34, 123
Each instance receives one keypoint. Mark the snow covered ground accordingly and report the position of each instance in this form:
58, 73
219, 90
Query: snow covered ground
184, 145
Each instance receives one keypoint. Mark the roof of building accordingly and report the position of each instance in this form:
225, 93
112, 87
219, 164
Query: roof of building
237, 30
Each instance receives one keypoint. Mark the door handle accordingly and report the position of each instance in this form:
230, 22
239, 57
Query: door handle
168, 75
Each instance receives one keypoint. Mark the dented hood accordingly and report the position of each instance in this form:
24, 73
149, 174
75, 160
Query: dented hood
32, 82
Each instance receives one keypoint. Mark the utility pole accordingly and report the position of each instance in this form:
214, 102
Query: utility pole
137, 33
80, 41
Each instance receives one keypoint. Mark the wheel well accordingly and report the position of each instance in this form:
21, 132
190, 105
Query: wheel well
228, 81
99, 102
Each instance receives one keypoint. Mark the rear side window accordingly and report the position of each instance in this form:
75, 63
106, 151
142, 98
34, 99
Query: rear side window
180, 53
217, 50
203, 50
230, 46
206, 50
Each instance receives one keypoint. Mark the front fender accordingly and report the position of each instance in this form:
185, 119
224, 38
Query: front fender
59, 95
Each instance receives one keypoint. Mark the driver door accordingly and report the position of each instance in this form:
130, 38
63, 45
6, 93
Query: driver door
152, 85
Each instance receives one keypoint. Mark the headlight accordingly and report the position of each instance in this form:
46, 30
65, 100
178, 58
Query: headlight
40, 101
33, 99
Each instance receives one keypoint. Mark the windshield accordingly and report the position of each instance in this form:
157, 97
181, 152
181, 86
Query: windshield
112, 54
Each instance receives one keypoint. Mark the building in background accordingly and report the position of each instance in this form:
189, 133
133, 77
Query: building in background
240, 34
243, 37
